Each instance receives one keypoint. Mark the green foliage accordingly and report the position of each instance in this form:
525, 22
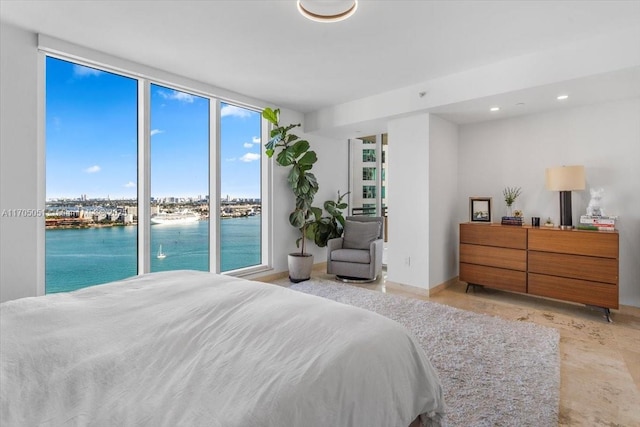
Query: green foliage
295, 153
511, 194
328, 227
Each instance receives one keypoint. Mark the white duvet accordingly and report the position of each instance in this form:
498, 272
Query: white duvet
189, 348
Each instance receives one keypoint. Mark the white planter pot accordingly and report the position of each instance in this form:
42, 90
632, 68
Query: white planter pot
300, 267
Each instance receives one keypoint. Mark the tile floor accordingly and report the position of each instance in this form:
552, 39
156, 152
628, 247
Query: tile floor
600, 361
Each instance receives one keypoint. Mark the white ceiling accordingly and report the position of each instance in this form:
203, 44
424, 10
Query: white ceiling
266, 50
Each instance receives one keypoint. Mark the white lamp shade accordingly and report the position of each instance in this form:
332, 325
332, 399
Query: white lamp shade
565, 178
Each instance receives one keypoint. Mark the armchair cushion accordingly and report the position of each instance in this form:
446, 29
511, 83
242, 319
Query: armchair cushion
351, 255
359, 235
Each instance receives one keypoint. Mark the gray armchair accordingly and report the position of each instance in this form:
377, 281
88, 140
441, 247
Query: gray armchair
358, 254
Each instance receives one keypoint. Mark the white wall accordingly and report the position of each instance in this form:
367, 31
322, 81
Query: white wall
443, 200
408, 189
605, 138
422, 194
19, 171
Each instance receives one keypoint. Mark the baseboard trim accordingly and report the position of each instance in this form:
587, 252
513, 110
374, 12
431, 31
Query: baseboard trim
414, 290
320, 266
442, 286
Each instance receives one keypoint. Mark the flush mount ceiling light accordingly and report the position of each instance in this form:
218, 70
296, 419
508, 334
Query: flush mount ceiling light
494, 109
562, 97
327, 10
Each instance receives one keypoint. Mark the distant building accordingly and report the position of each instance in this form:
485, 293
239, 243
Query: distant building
368, 174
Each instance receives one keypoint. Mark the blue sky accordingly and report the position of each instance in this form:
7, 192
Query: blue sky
91, 139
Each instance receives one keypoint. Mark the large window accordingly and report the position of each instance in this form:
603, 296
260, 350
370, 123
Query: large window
91, 176
179, 180
240, 204
94, 156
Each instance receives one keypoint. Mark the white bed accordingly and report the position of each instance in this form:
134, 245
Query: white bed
188, 348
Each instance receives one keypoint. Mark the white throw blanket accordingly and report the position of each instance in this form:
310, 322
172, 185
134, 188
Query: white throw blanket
187, 348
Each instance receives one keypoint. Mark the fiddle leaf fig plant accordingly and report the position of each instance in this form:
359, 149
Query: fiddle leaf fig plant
296, 154
328, 227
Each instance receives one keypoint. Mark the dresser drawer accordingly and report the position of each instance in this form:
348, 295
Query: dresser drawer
498, 278
580, 291
578, 242
494, 235
513, 259
574, 266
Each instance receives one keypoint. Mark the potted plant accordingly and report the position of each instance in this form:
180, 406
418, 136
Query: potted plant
295, 153
510, 195
328, 227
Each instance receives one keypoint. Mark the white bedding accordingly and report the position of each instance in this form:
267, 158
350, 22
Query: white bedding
188, 348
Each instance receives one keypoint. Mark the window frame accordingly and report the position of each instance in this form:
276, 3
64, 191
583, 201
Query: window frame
145, 76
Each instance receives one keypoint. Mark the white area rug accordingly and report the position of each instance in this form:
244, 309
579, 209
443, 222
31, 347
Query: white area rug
494, 372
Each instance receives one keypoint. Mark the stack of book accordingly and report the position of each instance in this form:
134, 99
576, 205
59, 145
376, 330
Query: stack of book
600, 223
511, 220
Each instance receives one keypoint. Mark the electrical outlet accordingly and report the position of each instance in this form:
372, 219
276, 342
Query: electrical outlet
407, 261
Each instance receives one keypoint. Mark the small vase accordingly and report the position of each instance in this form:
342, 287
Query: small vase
509, 210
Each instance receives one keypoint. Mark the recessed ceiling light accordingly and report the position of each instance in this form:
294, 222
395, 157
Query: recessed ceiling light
327, 11
562, 97
494, 109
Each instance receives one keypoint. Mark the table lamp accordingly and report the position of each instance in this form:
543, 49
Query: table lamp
565, 179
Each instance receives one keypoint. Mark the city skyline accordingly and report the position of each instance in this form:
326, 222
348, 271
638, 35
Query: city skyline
91, 139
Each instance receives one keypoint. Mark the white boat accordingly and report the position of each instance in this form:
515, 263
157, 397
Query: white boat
161, 255
182, 217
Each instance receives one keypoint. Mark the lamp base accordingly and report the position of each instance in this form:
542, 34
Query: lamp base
565, 210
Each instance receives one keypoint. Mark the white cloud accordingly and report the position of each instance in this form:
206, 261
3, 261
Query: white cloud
82, 71
92, 169
232, 110
256, 140
250, 157
156, 131
178, 96
247, 145
130, 184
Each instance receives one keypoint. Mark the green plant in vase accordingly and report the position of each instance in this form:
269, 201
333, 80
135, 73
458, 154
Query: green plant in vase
328, 227
292, 152
510, 195
296, 154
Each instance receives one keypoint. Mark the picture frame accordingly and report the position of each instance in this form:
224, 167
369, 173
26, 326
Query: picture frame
480, 209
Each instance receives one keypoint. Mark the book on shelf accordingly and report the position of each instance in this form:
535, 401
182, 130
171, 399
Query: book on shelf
598, 220
511, 220
605, 227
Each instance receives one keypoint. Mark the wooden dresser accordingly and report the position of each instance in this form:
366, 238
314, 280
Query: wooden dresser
571, 265
494, 256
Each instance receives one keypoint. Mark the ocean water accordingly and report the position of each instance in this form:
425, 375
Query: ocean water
76, 258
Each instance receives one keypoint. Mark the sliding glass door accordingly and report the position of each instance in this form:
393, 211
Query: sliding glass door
368, 173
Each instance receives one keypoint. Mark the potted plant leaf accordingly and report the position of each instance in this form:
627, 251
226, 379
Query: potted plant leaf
328, 227
296, 154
